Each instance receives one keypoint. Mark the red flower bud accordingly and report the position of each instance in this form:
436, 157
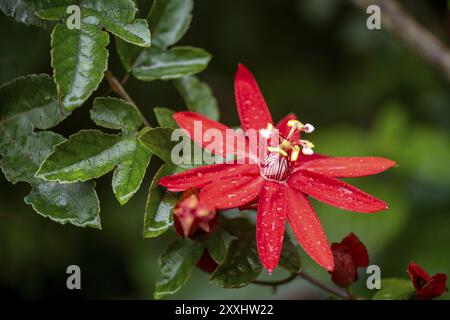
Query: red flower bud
207, 263
348, 255
427, 287
193, 217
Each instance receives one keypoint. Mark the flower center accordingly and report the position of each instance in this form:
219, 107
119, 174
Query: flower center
280, 153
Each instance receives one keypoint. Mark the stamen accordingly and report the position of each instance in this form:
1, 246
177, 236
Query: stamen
307, 151
278, 150
308, 128
295, 153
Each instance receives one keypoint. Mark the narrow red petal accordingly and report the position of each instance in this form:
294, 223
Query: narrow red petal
348, 167
270, 224
304, 158
232, 192
284, 129
335, 192
308, 229
252, 107
201, 176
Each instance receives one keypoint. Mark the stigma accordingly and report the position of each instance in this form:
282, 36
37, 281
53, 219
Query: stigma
283, 151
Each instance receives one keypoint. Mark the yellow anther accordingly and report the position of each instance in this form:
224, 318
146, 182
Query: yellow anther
285, 144
295, 123
295, 153
277, 150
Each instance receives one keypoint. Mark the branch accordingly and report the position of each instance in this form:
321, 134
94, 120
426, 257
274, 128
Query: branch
310, 279
419, 39
117, 87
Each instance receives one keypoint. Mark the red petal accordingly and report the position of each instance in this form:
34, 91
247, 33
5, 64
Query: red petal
232, 192
284, 129
344, 272
304, 158
350, 167
419, 276
270, 224
307, 229
252, 107
356, 249
199, 177
186, 120
434, 288
427, 287
335, 192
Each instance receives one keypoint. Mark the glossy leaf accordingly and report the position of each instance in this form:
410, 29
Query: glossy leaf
169, 20
79, 59
394, 289
158, 141
75, 203
128, 53
30, 103
176, 263
290, 257
216, 247
27, 103
115, 114
154, 64
158, 212
85, 155
164, 117
198, 96
24, 10
130, 171
241, 264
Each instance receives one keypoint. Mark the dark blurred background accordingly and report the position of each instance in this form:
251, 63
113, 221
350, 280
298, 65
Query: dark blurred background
365, 92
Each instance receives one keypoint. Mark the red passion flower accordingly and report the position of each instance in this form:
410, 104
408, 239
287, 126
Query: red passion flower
281, 180
427, 287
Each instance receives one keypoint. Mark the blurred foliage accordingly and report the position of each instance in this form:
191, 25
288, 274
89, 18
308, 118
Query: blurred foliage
363, 90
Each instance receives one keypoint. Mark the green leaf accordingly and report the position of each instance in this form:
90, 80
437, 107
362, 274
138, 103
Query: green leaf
155, 64
30, 103
241, 264
158, 211
130, 172
216, 247
159, 141
118, 17
176, 263
85, 155
75, 203
24, 10
394, 289
115, 114
198, 96
164, 117
79, 59
24, 154
169, 21
128, 53
290, 258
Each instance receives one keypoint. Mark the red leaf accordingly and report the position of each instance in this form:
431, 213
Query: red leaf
201, 176
270, 224
232, 192
334, 192
252, 107
348, 167
308, 229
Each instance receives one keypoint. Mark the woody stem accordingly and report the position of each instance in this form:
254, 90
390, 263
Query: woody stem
311, 280
117, 87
